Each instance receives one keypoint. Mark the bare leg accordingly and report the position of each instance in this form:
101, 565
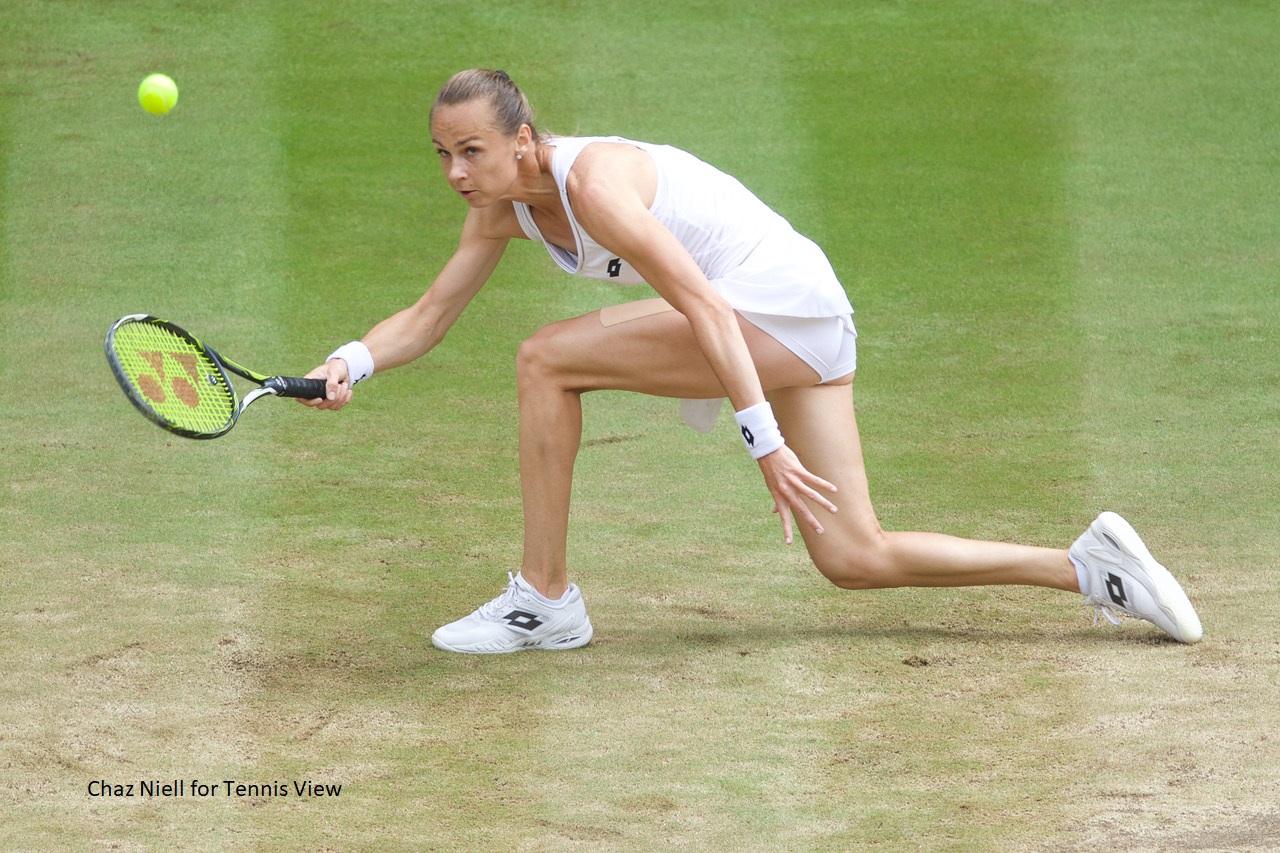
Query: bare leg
550, 434
655, 354
853, 552
658, 355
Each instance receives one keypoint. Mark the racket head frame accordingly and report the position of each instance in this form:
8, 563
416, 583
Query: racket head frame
203, 366
211, 370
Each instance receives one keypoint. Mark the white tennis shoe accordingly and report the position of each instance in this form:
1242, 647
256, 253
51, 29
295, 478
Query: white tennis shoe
1124, 577
519, 619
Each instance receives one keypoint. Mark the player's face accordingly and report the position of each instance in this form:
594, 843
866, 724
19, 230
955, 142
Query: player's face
478, 159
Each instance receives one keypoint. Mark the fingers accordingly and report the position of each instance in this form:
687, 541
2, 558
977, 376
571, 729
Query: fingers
792, 508
793, 488
334, 386
817, 497
337, 385
788, 535
801, 509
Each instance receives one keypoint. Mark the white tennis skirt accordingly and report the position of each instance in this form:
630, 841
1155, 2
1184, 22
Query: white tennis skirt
827, 344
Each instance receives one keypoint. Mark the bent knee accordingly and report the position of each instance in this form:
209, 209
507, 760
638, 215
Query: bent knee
540, 356
867, 565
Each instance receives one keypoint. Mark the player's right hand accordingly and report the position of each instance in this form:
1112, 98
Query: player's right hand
337, 385
791, 485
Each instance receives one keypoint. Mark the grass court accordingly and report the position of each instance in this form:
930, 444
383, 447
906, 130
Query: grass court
1058, 225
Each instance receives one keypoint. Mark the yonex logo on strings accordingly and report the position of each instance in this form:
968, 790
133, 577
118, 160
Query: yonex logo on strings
152, 385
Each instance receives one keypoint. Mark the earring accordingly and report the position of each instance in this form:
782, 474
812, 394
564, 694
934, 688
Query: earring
519, 156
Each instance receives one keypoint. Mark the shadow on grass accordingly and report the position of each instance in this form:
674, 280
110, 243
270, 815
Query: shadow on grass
759, 635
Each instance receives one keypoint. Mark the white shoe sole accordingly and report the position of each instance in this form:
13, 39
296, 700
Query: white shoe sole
574, 640
1165, 589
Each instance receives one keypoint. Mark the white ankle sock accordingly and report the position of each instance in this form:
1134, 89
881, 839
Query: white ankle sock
1082, 576
529, 588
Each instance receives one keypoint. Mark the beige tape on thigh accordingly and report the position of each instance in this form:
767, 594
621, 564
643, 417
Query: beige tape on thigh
612, 315
698, 414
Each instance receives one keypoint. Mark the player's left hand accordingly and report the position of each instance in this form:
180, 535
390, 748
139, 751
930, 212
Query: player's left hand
791, 483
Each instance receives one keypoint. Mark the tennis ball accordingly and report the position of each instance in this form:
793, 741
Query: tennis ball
157, 94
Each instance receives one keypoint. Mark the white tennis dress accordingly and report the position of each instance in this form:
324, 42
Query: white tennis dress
751, 255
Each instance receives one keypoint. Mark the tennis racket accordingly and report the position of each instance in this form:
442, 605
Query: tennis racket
181, 384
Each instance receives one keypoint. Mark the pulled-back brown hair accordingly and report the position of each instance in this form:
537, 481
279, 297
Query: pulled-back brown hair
510, 106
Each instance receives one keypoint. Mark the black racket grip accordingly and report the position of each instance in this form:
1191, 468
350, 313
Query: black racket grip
289, 386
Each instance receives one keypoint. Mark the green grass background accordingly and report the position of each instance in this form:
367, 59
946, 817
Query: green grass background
1058, 224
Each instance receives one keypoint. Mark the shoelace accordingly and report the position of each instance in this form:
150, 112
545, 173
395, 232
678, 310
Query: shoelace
1104, 610
493, 609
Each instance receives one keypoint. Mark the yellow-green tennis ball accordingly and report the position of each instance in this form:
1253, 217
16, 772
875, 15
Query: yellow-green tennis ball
157, 94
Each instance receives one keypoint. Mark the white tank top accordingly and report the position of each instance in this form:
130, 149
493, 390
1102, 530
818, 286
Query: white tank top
751, 255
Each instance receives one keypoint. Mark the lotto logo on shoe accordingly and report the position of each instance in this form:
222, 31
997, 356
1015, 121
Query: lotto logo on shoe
1115, 589
523, 620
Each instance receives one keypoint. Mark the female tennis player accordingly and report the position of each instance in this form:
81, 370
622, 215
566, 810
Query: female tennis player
747, 309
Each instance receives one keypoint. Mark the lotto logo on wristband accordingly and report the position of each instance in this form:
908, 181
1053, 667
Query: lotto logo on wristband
759, 430
358, 358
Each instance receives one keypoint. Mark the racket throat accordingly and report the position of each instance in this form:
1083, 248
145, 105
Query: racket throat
256, 393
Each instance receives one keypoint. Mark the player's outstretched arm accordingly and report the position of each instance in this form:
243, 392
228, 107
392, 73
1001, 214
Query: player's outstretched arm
413, 332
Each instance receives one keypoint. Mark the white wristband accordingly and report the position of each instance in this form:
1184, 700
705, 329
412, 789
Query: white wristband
759, 430
358, 358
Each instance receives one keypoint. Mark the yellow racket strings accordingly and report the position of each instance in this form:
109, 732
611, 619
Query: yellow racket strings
174, 378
